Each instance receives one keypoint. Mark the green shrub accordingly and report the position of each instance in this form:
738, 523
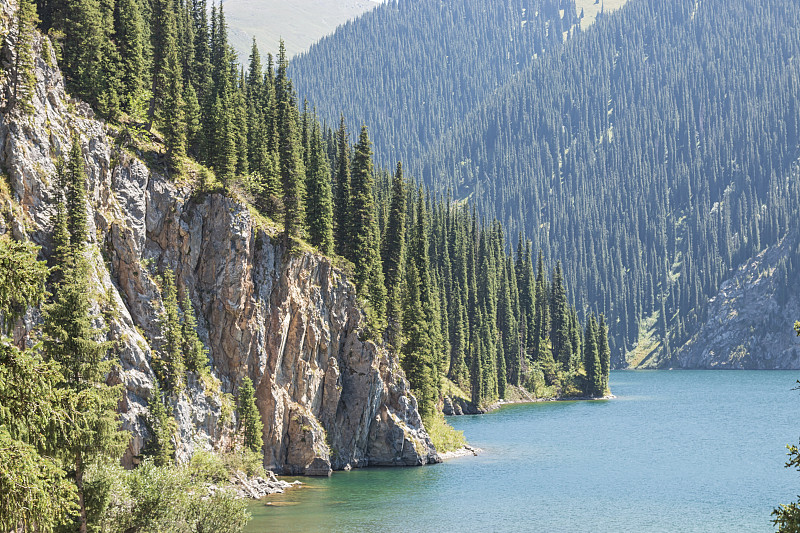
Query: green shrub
445, 438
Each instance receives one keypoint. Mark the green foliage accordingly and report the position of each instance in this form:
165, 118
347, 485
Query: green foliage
442, 434
787, 516
250, 423
319, 205
168, 364
162, 427
21, 280
23, 76
33, 483
154, 498
195, 353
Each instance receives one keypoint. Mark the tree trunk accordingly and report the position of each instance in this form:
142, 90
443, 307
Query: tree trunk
79, 483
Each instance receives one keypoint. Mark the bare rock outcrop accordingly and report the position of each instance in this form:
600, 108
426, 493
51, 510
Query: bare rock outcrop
329, 398
749, 322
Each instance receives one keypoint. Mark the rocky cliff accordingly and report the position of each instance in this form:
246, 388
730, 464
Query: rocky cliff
329, 398
749, 321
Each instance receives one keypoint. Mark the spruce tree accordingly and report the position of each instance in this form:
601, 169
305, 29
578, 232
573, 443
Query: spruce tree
130, 38
342, 223
32, 483
365, 252
76, 196
591, 359
23, 76
162, 427
605, 353
417, 352
289, 153
319, 205
194, 352
250, 423
70, 339
392, 256
168, 364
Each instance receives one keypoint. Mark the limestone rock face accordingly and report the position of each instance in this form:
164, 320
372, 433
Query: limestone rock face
329, 398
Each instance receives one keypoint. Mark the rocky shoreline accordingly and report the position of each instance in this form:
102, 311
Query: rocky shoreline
256, 487
464, 451
459, 406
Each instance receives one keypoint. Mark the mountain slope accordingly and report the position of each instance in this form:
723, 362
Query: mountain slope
411, 69
651, 154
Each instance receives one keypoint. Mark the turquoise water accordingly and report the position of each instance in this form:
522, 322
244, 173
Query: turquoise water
675, 451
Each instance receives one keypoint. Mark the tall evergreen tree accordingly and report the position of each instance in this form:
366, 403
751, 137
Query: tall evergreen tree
319, 205
417, 352
23, 76
392, 248
342, 210
250, 423
162, 427
365, 240
70, 339
34, 490
129, 34
168, 364
289, 152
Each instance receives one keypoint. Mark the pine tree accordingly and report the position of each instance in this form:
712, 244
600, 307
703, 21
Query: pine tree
169, 365
70, 339
289, 153
76, 196
162, 427
591, 359
368, 275
417, 352
319, 206
129, 34
342, 223
605, 354
32, 481
194, 352
560, 338
250, 423
23, 76
392, 257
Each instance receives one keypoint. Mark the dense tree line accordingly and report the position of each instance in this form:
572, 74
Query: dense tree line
411, 69
651, 153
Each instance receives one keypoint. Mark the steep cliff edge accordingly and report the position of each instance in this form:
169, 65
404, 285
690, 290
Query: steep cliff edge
291, 322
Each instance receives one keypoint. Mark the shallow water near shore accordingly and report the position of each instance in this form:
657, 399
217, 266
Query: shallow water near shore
694, 451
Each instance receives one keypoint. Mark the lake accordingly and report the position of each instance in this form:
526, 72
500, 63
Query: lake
675, 451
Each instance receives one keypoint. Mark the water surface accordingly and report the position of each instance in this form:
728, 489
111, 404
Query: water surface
694, 451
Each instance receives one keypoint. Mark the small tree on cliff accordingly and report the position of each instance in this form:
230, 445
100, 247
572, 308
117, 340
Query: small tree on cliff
250, 423
91, 430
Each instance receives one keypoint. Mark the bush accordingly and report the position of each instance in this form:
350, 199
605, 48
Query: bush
154, 498
207, 467
445, 438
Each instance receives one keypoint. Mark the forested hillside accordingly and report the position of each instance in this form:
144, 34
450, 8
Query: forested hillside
412, 69
650, 153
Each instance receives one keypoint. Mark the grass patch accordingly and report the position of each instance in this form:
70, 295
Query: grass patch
445, 438
454, 391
